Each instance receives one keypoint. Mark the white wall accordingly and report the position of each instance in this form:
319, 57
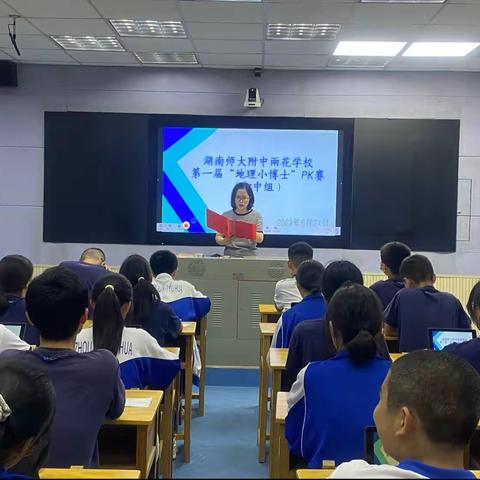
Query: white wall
221, 92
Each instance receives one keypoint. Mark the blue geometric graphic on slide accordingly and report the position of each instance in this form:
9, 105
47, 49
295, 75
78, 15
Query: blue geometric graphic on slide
181, 201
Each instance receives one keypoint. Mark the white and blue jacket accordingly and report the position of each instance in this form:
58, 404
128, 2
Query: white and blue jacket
143, 362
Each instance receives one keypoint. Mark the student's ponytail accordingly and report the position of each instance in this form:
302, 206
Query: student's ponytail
356, 315
109, 293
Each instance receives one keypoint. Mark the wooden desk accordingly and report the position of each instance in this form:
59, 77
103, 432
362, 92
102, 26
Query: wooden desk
396, 356
188, 331
145, 421
279, 452
266, 333
268, 313
311, 474
392, 343
278, 361
202, 339
80, 472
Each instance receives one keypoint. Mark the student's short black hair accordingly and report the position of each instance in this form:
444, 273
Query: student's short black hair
392, 255
357, 315
93, 252
55, 301
442, 389
298, 252
29, 393
474, 301
163, 261
417, 268
309, 276
245, 186
15, 273
336, 274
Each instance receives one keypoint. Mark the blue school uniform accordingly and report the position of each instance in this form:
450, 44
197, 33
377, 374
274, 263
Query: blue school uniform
387, 289
414, 310
434, 472
6, 475
310, 308
17, 313
329, 407
87, 272
469, 351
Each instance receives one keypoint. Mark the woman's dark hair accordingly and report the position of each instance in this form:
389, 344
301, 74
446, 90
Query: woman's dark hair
309, 276
336, 274
31, 397
356, 315
109, 293
474, 301
15, 273
245, 186
145, 296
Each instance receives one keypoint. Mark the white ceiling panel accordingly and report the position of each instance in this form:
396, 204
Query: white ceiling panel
234, 59
29, 41
204, 11
409, 63
73, 26
227, 46
306, 61
468, 63
311, 13
138, 9
54, 8
23, 27
378, 32
5, 10
450, 33
41, 56
225, 31
394, 14
299, 47
118, 58
159, 45
459, 15
4, 56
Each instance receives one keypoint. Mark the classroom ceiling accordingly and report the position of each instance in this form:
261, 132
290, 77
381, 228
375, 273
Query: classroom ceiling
236, 33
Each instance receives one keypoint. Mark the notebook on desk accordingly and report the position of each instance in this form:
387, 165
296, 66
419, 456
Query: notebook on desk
439, 338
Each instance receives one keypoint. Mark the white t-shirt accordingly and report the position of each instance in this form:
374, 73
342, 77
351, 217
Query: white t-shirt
362, 469
286, 293
10, 341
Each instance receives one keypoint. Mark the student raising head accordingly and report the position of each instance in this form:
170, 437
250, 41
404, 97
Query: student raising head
15, 273
142, 361
148, 311
428, 411
27, 407
332, 401
391, 256
286, 290
421, 306
309, 282
88, 387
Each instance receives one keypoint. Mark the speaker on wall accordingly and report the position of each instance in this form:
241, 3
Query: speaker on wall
8, 74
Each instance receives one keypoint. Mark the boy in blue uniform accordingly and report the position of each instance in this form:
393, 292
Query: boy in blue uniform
309, 281
427, 414
420, 306
391, 256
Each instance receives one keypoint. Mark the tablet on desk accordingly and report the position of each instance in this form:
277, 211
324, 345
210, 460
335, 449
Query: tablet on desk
439, 338
17, 328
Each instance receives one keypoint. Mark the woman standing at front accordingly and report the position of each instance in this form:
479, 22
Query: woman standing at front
242, 200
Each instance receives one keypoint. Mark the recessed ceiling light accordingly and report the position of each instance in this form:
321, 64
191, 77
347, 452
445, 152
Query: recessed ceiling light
403, 1
302, 31
167, 58
149, 28
440, 49
87, 42
369, 49
358, 62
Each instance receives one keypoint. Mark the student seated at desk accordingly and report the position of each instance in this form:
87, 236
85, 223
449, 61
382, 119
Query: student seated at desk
286, 290
332, 401
391, 256
311, 340
187, 302
428, 412
470, 350
15, 274
27, 408
309, 281
88, 386
419, 306
148, 311
143, 363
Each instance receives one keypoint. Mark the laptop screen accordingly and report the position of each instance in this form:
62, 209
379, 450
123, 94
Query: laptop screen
16, 328
374, 452
440, 338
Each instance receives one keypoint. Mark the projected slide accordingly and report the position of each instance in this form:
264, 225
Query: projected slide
293, 174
